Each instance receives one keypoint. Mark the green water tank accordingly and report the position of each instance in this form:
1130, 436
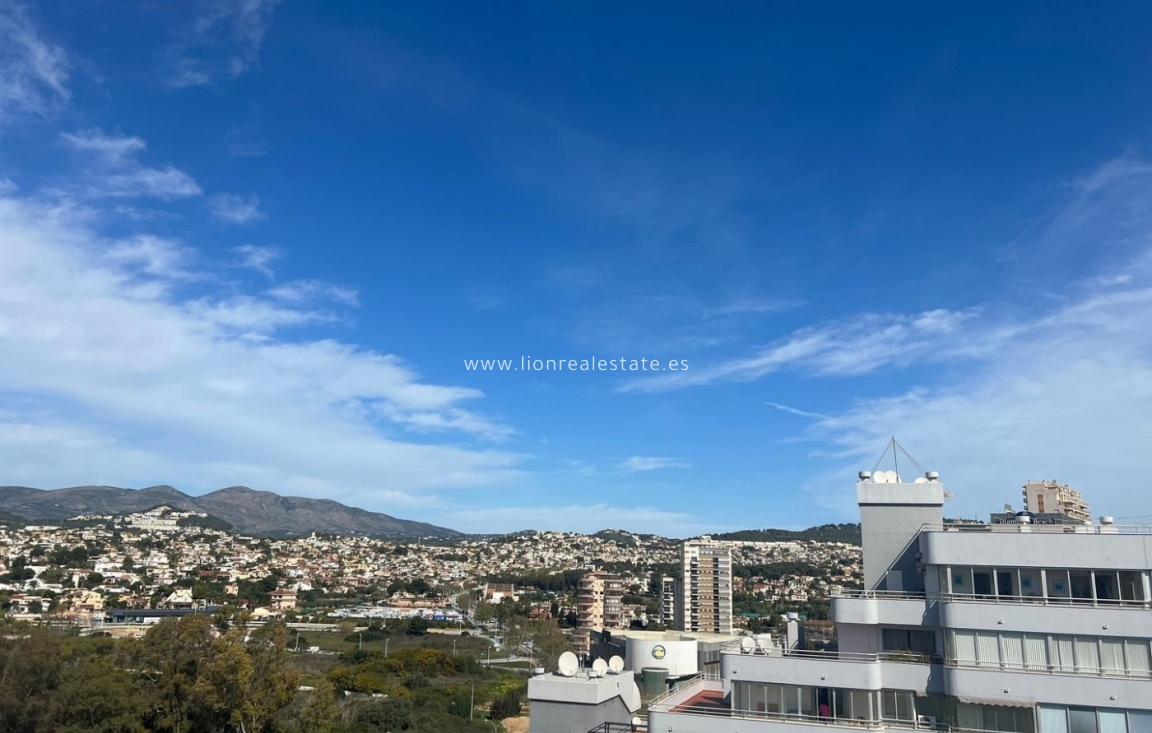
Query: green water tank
653, 681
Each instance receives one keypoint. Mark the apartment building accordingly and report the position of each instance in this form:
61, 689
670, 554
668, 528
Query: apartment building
705, 590
668, 597
1050, 497
1016, 628
599, 605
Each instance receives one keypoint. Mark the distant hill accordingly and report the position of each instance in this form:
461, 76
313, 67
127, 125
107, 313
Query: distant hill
249, 512
849, 533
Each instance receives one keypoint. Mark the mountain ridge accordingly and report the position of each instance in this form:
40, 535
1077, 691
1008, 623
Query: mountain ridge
250, 511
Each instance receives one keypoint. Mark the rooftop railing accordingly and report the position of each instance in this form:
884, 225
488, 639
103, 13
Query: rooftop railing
1130, 603
921, 723
1107, 529
907, 657
679, 689
1046, 668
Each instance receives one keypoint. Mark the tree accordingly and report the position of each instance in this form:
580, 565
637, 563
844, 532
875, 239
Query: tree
92, 694
506, 705
390, 714
418, 626
549, 642
320, 713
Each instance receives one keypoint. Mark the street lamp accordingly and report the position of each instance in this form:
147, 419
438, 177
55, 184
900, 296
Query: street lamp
386, 648
297, 642
361, 635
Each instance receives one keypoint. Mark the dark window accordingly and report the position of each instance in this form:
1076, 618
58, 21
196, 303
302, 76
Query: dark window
911, 640
1081, 720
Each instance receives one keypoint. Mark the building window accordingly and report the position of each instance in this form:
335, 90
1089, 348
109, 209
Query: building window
1082, 720
910, 640
896, 705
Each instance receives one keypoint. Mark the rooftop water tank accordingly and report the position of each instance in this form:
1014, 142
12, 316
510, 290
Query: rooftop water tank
653, 681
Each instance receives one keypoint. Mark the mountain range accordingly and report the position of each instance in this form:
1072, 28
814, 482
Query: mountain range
248, 511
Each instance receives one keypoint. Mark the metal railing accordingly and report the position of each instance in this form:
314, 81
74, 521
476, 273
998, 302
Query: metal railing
1056, 669
895, 595
1042, 528
619, 728
921, 722
683, 686
993, 598
905, 656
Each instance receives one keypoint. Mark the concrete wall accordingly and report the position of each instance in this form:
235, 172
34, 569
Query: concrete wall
680, 658
679, 723
546, 716
1037, 549
891, 516
886, 611
1049, 688
812, 671
1051, 619
818, 672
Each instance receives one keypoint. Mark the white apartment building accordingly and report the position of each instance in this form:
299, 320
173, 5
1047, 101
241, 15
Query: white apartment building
599, 605
705, 590
1015, 628
668, 601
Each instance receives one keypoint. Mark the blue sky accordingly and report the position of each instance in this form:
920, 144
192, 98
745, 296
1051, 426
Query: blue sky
254, 242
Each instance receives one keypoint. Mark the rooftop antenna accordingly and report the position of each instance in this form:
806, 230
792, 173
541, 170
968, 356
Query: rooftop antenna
896, 450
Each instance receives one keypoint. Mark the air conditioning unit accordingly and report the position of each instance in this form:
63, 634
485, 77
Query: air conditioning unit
926, 721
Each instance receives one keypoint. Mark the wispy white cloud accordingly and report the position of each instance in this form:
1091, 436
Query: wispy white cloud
223, 40
854, 346
795, 411
258, 258
651, 463
1062, 391
309, 291
116, 172
585, 518
33, 72
233, 209
753, 306
105, 352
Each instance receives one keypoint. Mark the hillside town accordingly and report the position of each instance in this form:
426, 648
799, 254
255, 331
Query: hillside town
90, 569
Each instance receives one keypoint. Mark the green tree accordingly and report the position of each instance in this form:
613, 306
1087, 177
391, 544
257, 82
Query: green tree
320, 712
390, 714
506, 705
418, 626
549, 642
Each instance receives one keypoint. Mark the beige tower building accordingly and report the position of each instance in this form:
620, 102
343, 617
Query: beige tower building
1049, 497
599, 605
705, 588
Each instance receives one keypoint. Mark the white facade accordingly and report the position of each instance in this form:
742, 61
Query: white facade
1009, 628
705, 601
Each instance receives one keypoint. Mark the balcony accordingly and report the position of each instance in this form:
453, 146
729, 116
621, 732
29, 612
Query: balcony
850, 670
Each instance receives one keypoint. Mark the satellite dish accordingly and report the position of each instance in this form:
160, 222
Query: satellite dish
600, 667
747, 644
921, 480
893, 477
616, 664
568, 664
880, 477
